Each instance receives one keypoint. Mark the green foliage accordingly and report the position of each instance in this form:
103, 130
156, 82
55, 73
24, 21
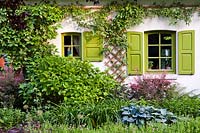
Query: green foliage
10, 117
174, 14
111, 22
39, 22
60, 79
183, 105
139, 115
187, 126
23, 46
90, 115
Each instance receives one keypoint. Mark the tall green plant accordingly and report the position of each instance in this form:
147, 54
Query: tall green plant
91, 115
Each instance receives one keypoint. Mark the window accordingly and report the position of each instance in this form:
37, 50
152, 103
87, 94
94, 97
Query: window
160, 51
84, 46
71, 44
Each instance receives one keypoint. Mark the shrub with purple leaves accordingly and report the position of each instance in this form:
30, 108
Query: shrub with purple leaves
150, 87
9, 83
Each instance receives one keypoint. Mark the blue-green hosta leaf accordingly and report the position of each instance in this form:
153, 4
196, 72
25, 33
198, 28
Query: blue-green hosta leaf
142, 116
170, 113
125, 109
125, 119
173, 117
149, 117
149, 109
160, 117
142, 110
155, 114
173, 120
126, 113
161, 120
163, 111
131, 120
133, 111
135, 116
139, 122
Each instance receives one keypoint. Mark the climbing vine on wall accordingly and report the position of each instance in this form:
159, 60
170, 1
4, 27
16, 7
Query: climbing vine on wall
174, 14
26, 36
30, 28
111, 23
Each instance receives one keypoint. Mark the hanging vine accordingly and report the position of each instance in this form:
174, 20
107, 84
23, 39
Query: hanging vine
174, 14
111, 24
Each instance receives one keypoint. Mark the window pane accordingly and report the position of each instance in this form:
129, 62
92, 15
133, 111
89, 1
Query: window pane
166, 51
153, 64
67, 40
166, 38
76, 51
166, 63
67, 51
76, 40
153, 51
153, 39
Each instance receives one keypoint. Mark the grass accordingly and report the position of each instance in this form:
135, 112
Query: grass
187, 125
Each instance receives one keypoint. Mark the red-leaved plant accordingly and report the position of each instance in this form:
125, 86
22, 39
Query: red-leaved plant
9, 83
150, 87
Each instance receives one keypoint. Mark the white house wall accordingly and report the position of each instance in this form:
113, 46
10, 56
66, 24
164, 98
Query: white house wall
191, 82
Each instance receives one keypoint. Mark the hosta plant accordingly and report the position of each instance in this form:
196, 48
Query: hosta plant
140, 115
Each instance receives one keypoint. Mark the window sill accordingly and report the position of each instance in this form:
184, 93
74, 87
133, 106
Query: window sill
172, 76
169, 76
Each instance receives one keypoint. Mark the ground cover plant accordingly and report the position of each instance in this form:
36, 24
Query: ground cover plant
10, 117
140, 115
189, 125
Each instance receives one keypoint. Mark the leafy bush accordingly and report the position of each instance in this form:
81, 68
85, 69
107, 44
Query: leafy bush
59, 78
9, 83
139, 115
25, 31
182, 105
149, 87
10, 117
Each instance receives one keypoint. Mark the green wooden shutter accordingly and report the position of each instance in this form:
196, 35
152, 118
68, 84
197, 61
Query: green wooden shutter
92, 47
135, 55
186, 47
